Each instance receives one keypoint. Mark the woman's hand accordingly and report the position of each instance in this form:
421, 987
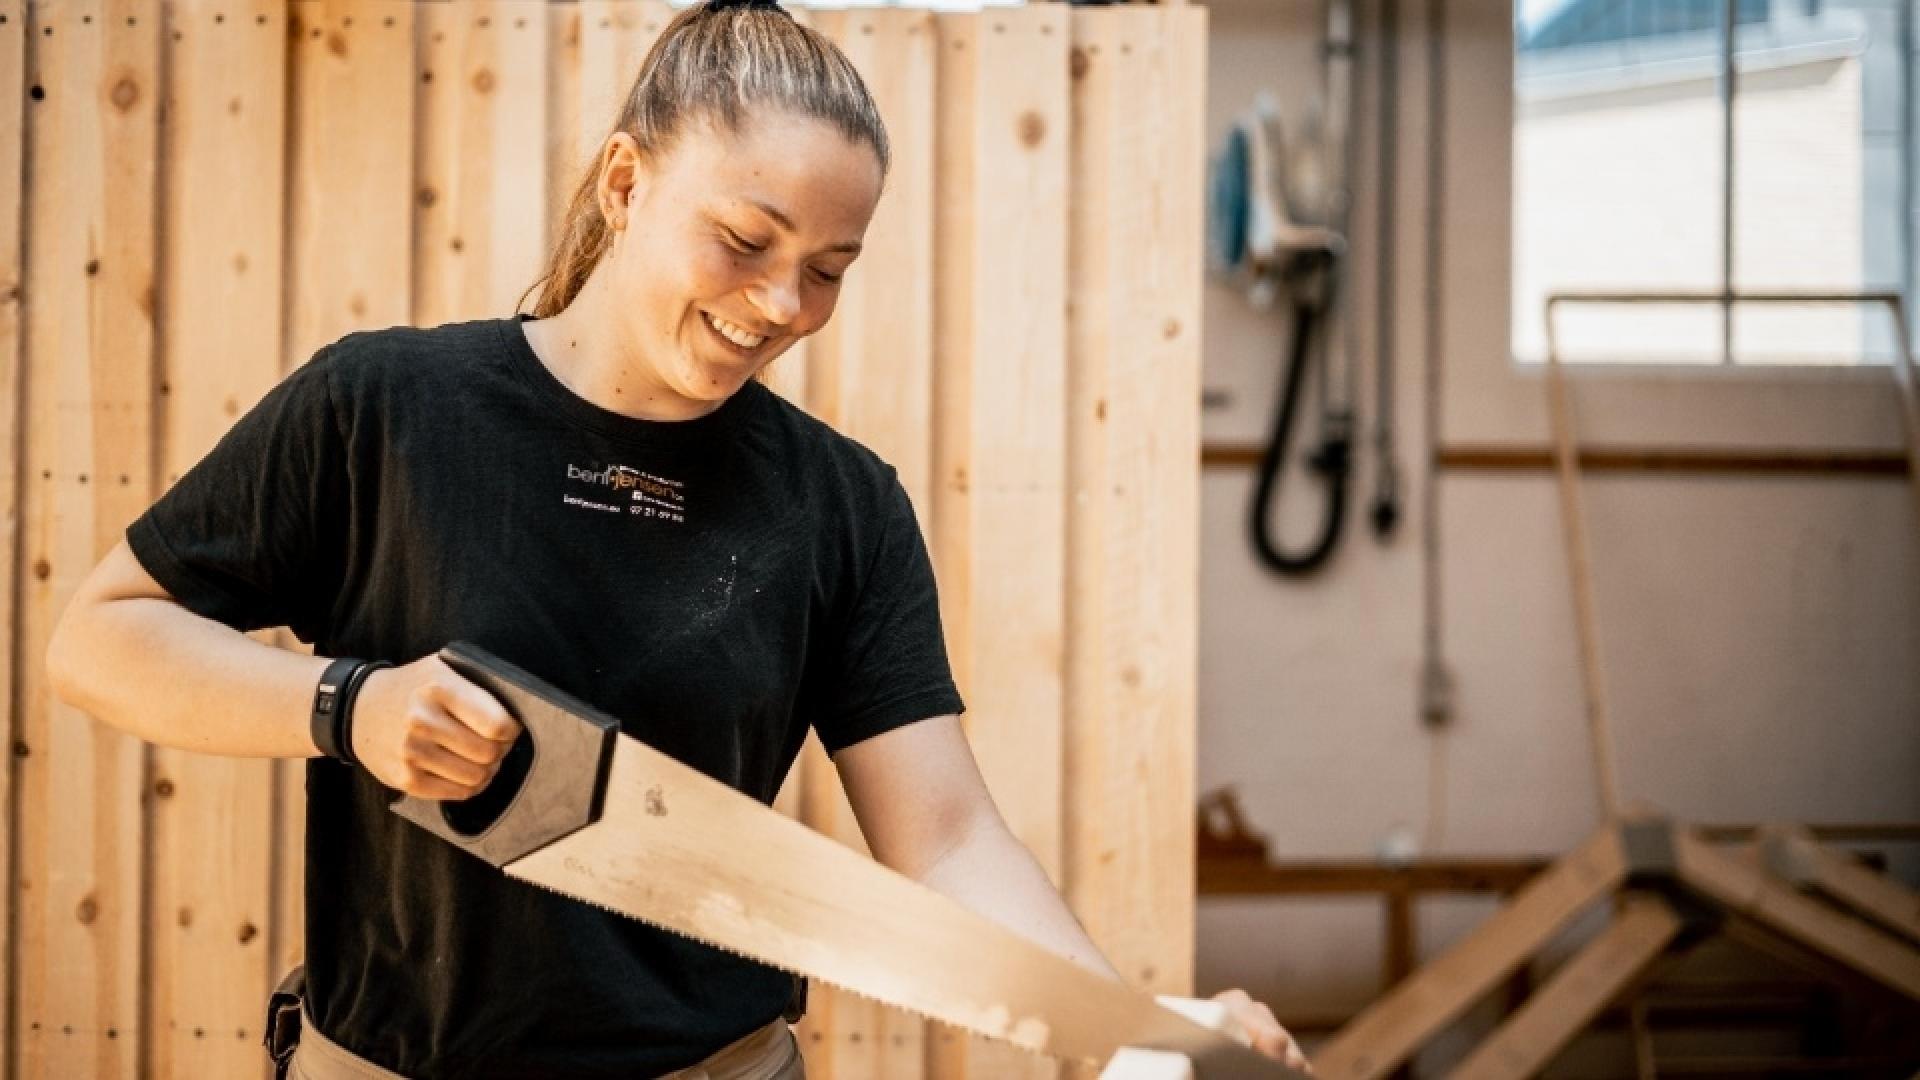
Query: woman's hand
424, 729
1267, 1036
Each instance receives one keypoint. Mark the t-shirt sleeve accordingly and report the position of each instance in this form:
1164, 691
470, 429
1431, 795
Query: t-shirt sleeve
250, 536
888, 667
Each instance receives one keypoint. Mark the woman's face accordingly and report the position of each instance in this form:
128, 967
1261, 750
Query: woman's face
732, 246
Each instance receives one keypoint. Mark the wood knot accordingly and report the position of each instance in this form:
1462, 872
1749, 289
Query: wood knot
426, 197
184, 917
483, 80
337, 43
87, 910
1033, 128
163, 787
1170, 329
1078, 62
93, 267
248, 932
42, 569
125, 93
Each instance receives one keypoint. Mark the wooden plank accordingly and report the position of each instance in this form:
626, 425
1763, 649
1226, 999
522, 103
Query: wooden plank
1586, 619
482, 201
220, 352
13, 135
870, 375
1790, 852
350, 203
1291, 877
1390, 1030
1852, 832
1690, 460
1138, 78
91, 132
1000, 427
1752, 892
1605, 967
1905, 375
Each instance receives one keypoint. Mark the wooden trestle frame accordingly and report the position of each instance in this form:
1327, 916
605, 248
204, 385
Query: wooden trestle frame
1670, 886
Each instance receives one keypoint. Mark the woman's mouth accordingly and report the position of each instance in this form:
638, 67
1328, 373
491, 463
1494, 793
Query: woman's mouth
738, 338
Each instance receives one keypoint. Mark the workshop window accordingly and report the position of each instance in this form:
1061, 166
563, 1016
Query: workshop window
1623, 116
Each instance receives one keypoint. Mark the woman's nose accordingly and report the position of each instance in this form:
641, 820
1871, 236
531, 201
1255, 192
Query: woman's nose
777, 300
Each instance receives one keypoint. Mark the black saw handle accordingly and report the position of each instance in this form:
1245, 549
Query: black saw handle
553, 782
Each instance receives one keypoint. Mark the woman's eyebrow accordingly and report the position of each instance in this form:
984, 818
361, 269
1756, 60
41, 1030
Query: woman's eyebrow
786, 223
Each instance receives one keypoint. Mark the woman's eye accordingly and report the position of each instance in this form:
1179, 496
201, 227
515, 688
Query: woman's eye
826, 278
740, 243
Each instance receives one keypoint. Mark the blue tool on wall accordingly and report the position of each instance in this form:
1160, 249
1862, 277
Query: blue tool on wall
1278, 216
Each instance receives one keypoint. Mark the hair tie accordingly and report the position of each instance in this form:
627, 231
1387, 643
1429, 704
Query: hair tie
746, 5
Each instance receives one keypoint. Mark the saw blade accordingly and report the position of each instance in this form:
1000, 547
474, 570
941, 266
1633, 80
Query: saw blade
680, 850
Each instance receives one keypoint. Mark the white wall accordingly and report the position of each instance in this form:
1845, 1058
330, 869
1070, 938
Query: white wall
1761, 634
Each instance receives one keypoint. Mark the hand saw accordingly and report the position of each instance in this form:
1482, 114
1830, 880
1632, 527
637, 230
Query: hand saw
605, 818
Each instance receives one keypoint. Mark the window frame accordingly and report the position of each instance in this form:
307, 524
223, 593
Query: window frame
1490, 397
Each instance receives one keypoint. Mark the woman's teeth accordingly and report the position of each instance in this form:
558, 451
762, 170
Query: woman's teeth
735, 334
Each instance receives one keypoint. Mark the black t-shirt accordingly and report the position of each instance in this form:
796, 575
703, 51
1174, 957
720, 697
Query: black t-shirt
719, 584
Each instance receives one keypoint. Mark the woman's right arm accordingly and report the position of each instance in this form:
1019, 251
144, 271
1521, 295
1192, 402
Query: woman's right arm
129, 655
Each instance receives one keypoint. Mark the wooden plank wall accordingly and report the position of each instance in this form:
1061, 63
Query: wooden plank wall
85, 467
1020, 340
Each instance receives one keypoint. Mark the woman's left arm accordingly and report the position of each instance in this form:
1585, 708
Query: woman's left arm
925, 811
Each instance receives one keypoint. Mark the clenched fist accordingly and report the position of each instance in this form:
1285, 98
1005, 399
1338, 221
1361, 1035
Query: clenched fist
424, 729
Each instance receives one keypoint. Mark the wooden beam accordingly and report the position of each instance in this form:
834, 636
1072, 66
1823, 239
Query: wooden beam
222, 344
1000, 299
1749, 891
13, 145
1675, 460
481, 101
87, 308
1256, 877
1599, 973
1138, 79
1792, 854
1397, 1025
1735, 461
1879, 832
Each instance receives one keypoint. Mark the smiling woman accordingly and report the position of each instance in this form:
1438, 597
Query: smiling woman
599, 492
718, 219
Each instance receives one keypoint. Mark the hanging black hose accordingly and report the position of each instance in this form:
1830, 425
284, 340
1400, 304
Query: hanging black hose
1309, 280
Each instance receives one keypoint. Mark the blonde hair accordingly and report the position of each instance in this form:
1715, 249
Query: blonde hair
715, 61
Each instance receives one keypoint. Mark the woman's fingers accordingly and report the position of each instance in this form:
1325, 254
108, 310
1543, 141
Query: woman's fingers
1266, 1034
434, 759
475, 708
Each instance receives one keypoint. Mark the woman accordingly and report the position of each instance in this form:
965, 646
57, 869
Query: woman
603, 495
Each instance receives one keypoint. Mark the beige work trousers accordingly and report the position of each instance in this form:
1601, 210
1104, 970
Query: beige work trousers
768, 1053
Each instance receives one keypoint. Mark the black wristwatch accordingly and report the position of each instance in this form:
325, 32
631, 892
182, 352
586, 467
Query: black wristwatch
331, 722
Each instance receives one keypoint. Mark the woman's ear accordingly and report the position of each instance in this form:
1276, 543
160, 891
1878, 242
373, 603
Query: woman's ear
623, 177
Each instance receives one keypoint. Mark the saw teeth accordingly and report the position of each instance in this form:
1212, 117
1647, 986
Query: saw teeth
730, 950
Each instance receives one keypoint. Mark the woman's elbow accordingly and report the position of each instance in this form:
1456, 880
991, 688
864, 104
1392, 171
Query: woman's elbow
62, 662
